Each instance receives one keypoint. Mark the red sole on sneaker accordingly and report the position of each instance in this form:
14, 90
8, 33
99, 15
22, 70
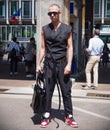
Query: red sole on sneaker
43, 126
74, 126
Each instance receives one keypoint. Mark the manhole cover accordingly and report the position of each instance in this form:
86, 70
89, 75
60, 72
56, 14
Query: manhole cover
2, 90
98, 94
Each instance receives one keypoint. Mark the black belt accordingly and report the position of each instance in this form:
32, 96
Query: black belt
61, 61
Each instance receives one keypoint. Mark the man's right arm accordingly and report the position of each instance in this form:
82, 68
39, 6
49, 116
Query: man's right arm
41, 53
9, 47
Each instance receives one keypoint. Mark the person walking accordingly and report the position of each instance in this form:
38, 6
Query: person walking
105, 56
34, 58
34, 54
94, 50
13, 50
22, 52
29, 58
57, 52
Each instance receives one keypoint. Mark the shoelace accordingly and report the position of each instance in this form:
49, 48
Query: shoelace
70, 119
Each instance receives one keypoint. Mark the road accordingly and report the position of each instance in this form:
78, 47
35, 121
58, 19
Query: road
16, 114
91, 112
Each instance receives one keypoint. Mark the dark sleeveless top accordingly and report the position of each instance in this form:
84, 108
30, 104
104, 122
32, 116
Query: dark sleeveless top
56, 41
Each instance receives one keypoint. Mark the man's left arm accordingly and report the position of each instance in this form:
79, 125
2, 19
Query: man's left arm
69, 55
89, 49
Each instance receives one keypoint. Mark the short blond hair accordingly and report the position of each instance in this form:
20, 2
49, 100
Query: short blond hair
55, 5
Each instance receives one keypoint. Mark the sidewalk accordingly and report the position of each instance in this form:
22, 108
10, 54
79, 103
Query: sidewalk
19, 84
16, 95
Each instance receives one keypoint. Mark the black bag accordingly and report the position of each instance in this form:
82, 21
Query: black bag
13, 53
39, 96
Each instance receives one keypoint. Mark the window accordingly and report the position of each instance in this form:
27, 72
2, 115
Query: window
35, 9
14, 31
71, 7
26, 31
8, 33
2, 9
26, 9
33, 30
107, 8
4, 33
97, 7
13, 7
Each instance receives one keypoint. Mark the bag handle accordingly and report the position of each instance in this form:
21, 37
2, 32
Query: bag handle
40, 78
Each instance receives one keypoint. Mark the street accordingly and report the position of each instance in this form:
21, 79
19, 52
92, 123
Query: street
16, 114
90, 111
27, 20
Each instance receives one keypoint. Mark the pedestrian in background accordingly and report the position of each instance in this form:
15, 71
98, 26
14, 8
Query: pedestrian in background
22, 51
57, 49
34, 54
94, 50
8, 58
105, 56
34, 58
13, 50
29, 58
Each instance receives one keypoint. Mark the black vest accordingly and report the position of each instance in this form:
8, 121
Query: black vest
56, 41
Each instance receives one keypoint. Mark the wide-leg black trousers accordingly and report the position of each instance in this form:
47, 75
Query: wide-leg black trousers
55, 72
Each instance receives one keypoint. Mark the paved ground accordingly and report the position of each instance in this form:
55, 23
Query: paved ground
16, 114
91, 107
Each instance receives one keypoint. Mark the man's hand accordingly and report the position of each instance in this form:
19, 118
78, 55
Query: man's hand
38, 69
67, 70
85, 49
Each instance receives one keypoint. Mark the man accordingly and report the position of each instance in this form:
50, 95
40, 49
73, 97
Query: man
94, 50
57, 48
13, 50
29, 58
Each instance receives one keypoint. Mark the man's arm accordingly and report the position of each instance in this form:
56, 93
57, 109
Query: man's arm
41, 53
70, 55
89, 49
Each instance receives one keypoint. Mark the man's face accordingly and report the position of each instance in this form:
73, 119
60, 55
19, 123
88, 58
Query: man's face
32, 41
54, 12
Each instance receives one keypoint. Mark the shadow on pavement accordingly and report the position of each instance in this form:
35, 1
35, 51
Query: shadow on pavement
55, 113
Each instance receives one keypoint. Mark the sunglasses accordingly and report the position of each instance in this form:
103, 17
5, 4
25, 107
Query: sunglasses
54, 13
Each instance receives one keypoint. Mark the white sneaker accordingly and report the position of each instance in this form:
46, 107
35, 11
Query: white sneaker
71, 122
93, 87
11, 73
45, 122
15, 73
86, 87
29, 75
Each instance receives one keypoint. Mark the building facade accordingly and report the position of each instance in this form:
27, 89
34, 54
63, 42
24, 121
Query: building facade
26, 24
102, 18
24, 27
102, 12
